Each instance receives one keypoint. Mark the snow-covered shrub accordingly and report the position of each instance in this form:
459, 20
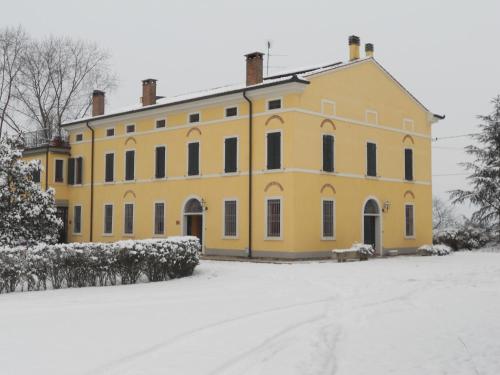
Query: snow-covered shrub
93, 264
434, 250
466, 236
364, 249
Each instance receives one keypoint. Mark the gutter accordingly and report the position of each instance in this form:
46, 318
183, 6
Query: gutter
91, 182
250, 128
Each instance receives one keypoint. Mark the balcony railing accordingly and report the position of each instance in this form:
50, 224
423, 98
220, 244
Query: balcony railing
39, 138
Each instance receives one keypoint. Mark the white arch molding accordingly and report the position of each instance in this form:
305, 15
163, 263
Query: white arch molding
203, 220
378, 225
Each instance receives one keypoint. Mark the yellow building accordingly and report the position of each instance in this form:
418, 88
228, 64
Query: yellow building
291, 165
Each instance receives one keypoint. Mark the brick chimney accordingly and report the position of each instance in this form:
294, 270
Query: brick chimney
97, 103
254, 68
369, 50
353, 47
148, 91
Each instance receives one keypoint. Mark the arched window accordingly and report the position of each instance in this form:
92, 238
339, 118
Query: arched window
193, 206
371, 208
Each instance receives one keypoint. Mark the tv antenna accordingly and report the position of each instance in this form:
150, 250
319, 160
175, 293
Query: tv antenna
267, 62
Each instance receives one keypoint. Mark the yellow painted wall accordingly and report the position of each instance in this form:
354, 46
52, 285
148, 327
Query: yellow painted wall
342, 96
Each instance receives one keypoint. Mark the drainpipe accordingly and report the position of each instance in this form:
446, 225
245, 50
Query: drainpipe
250, 127
47, 167
91, 182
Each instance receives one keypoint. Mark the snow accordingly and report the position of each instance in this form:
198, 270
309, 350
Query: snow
402, 315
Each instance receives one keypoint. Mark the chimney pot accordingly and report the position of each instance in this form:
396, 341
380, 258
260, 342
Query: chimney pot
254, 68
148, 91
369, 49
97, 103
354, 47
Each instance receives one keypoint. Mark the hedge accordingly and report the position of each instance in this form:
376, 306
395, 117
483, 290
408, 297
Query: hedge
96, 264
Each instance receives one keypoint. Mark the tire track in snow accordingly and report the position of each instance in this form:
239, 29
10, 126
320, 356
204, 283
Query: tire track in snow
128, 359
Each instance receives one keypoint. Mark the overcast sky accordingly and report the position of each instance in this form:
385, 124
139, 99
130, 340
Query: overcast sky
447, 53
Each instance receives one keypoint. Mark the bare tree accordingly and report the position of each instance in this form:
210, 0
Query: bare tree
56, 78
12, 47
443, 215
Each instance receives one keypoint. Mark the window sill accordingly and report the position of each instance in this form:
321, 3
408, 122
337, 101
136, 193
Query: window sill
109, 182
159, 235
129, 181
128, 235
277, 170
193, 177
410, 238
107, 235
76, 234
328, 172
230, 237
273, 239
328, 239
372, 177
159, 178
229, 174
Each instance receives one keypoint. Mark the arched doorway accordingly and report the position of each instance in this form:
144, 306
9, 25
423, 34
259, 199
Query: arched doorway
193, 219
371, 225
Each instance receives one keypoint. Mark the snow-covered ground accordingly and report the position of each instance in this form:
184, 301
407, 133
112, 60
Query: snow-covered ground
405, 315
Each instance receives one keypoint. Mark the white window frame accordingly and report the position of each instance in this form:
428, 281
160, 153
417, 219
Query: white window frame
76, 135
164, 219
376, 159
272, 238
412, 237
224, 236
131, 124
55, 169
106, 132
159, 119
334, 153
323, 237
412, 164
133, 219
373, 112
280, 98
281, 151
194, 113
408, 124
104, 219
114, 167
74, 171
73, 220
237, 155
154, 163
199, 159
125, 166
329, 102
232, 106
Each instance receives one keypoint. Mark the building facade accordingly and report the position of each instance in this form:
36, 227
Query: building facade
292, 165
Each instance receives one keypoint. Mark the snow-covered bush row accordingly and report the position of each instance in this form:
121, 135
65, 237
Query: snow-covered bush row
434, 250
96, 264
363, 249
467, 236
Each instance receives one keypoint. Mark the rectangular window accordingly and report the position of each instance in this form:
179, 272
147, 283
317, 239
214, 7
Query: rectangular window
79, 137
274, 104
231, 111
110, 132
328, 152
71, 171
129, 165
159, 218
108, 219
193, 159
230, 155
230, 218
194, 117
36, 176
371, 159
160, 124
409, 221
328, 219
408, 164
160, 162
110, 167
77, 219
274, 150
130, 128
59, 171
273, 218
128, 224
79, 171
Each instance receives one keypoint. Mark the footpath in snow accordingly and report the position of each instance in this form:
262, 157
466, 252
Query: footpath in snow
405, 315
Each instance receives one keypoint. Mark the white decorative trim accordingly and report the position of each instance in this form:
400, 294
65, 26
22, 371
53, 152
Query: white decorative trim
81, 220
281, 168
237, 155
224, 236
104, 234
329, 199
414, 236
164, 219
273, 238
379, 231
328, 102
133, 219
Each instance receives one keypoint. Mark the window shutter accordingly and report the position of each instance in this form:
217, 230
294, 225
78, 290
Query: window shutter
129, 165
193, 162
372, 159
273, 150
160, 162
328, 153
71, 171
110, 158
79, 171
230, 155
408, 164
